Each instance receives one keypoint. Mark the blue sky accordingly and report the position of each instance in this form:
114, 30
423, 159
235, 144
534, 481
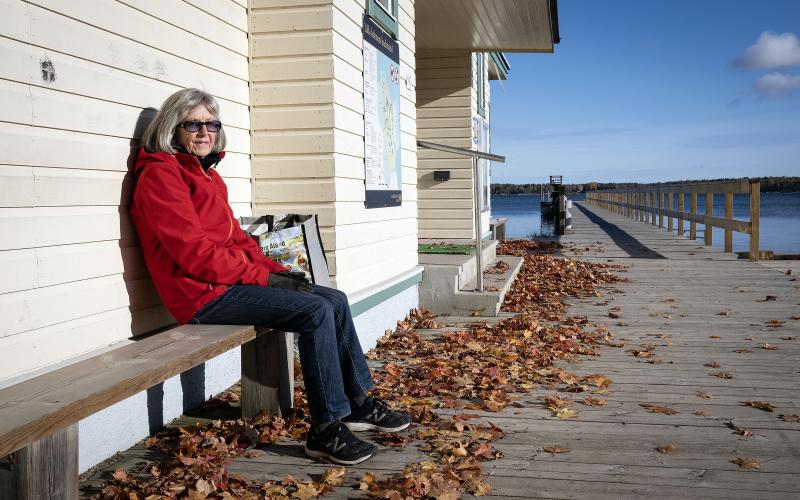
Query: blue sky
654, 90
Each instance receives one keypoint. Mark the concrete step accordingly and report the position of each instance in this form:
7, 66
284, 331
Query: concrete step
444, 289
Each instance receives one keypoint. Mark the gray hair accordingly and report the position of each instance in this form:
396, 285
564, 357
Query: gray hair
159, 136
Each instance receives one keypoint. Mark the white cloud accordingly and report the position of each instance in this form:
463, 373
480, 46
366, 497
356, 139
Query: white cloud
772, 50
777, 84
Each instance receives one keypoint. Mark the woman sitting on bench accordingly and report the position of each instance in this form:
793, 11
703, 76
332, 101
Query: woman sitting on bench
208, 271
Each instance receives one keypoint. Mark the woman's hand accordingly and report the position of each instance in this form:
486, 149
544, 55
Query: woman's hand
290, 281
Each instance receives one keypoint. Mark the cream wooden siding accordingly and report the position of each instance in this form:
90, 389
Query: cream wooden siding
73, 276
446, 103
308, 134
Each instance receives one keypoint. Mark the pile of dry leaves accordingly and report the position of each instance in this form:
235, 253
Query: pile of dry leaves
478, 367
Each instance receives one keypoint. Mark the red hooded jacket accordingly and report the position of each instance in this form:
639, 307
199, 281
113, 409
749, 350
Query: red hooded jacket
192, 243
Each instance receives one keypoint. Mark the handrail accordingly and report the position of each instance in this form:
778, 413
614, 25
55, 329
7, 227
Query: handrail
652, 202
476, 197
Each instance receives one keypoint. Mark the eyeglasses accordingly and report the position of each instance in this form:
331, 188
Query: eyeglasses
195, 126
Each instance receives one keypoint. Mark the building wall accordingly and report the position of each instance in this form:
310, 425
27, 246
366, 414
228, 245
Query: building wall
446, 103
308, 134
76, 81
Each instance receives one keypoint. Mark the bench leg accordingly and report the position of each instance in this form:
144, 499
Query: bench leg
268, 373
47, 468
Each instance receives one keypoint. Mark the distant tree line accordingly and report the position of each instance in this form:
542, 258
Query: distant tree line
768, 184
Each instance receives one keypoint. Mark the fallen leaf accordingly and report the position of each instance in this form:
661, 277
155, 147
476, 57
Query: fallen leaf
666, 448
761, 405
476, 487
120, 475
334, 476
556, 449
367, 480
613, 315
747, 463
714, 337
722, 375
658, 409
598, 380
713, 364
722, 313
774, 323
739, 430
768, 346
565, 413
592, 401
700, 413
768, 298
790, 418
393, 439
555, 402
306, 490
704, 395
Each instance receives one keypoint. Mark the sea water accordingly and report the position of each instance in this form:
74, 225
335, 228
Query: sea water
780, 218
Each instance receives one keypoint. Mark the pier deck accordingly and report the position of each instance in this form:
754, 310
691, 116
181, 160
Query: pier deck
697, 306
702, 312
677, 290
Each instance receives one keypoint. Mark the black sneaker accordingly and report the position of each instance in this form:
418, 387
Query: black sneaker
376, 415
339, 445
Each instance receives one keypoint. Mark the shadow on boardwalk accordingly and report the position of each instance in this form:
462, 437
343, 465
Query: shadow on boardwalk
621, 238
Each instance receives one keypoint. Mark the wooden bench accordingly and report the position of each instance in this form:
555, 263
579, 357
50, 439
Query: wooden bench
39, 417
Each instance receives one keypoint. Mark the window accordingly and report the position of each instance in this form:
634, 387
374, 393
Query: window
385, 13
480, 82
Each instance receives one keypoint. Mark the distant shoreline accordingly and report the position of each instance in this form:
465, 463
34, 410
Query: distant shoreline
768, 185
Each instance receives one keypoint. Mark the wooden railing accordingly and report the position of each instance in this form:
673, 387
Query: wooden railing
653, 203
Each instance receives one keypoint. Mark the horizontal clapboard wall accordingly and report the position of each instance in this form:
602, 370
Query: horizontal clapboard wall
308, 134
77, 78
445, 106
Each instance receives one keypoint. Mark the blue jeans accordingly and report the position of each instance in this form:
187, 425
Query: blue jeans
334, 368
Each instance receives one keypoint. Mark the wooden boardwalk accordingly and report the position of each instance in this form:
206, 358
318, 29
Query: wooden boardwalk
676, 291
695, 306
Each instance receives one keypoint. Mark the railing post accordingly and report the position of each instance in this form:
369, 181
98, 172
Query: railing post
755, 215
708, 230
680, 209
693, 211
660, 209
729, 216
653, 220
669, 207
478, 229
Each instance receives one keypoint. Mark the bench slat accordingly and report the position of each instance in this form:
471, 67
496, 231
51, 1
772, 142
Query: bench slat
38, 407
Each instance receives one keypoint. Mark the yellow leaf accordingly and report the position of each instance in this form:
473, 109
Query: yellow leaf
566, 413
666, 448
306, 491
555, 449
